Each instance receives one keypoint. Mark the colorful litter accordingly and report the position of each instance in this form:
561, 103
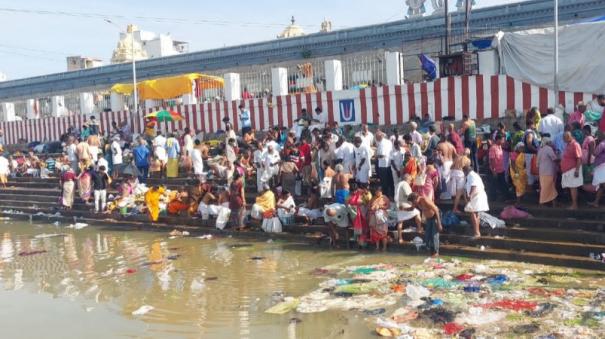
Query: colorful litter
461, 299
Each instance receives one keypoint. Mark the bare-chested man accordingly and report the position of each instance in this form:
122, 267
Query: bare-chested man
432, 219
446, 153
457, 180
340, 183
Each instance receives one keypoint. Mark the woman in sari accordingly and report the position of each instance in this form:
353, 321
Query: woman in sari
548, 172
377, 219
518, 173
172, 151
68, 178
588, 147
152, 200
85, 185
358, 203
237, 201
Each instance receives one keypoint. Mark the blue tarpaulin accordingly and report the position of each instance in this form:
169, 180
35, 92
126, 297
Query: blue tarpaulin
429, 66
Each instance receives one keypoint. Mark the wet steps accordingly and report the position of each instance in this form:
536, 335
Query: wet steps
550, 236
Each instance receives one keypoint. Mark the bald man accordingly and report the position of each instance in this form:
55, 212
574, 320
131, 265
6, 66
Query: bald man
336, 215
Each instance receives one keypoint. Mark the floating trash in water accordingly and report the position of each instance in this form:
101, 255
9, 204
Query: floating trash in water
142, 310
177, 233
257, 258
52, 235
77, 226
241, 245
28, 253
205, 237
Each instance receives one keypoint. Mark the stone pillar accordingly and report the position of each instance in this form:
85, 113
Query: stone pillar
116, 102
233, 89
333, 70
488, 62
279, 81
7, 111
190, 98
30, 109
437, 68
394, 68
87, 103
57, 106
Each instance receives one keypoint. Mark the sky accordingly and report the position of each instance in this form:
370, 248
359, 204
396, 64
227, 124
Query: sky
36, 44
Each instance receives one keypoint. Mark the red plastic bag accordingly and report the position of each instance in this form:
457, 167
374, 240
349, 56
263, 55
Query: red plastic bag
452, 328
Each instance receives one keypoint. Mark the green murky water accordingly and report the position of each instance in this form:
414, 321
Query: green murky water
89, 281
95, 282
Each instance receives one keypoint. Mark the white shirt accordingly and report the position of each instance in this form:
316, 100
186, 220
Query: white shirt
366, 140
346, 153
417, 137
322, 118
473, 179
159, 141
258, 156
362, 152
276, 146
271, 159
398, 156
551, 124
188, 141
116, 153
383, 151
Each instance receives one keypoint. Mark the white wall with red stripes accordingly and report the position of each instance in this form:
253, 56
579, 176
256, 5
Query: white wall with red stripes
482, 97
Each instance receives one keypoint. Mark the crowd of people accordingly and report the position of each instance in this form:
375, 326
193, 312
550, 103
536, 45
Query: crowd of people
365, 181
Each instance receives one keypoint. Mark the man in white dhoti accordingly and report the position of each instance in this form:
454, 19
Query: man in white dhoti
363, 167
271, 162
405, 210
476, 196
397, 158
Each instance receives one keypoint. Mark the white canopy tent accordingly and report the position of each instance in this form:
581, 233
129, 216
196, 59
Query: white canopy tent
529, 55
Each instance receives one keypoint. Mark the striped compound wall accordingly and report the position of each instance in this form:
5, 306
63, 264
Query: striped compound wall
480, 96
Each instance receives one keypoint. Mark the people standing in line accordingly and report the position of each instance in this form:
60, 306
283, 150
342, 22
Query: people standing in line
571, 167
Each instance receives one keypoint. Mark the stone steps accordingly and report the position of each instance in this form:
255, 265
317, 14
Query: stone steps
298, 234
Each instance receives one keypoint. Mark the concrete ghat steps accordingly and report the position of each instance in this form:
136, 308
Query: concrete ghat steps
292, 234
513, 244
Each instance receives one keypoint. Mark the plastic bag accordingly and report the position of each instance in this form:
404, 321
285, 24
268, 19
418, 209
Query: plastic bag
415, 292
487, 220
449, 218
272, 225
284, 307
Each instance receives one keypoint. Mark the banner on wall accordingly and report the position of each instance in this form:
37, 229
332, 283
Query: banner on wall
347, 110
